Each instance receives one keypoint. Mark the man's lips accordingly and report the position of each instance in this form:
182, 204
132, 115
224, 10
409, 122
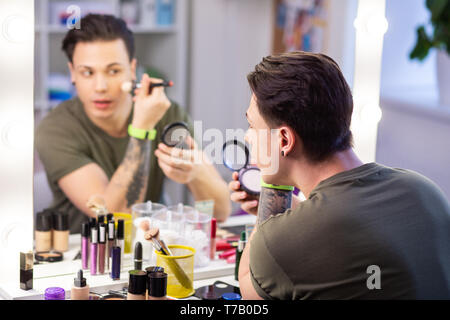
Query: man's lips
102, 104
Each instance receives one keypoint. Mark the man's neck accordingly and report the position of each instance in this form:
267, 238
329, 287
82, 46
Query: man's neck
116, 126
308, 175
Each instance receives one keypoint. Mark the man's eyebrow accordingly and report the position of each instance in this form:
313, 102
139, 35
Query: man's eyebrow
108, 66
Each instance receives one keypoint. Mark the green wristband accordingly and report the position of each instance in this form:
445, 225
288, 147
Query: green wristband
275, 186
141, 133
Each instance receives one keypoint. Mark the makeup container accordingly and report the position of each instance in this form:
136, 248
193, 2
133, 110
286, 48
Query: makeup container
61, 231
212, 246
236, 157
54, 293
26, 270
43, 231
85, 246
80, 290
175, 135
115, 263
48, 256
138, 256
101, 247
137, 285
197, 234
157, 289
101, 218
113, 296
94, 250
120, 242
239, 250
111, 241
149, 270
142, 214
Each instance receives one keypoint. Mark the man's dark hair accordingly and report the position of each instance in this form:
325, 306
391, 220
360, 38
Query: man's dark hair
98, 27
307, 92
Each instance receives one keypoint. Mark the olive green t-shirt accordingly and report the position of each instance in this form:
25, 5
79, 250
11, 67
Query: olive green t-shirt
66, 139
372, 232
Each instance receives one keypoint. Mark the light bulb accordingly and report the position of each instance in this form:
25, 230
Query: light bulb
15, 29
377, 25
371, 114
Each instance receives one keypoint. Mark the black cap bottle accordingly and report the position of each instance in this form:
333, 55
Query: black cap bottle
137, 285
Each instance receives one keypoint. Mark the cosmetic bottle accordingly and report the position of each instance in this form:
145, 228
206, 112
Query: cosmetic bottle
60, 231
111, 241
120, 242
43, 232
239, 250
212, 246
94, 250
115, 263
26, 270
85, 246
101, 247
137, 285
54, 293
80, 290
157, 286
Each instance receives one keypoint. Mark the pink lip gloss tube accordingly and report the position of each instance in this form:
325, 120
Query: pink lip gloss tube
101, 248
94, 248
85, 246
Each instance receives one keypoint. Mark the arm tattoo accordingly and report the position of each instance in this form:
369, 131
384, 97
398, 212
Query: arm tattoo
137, 161
272, 202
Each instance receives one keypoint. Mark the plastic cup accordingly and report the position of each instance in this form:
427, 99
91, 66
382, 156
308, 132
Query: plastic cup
142, 214
198, 235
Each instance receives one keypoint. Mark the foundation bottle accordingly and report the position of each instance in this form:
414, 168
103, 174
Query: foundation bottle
80, 290
43, 231
157, 286
137, 285
60, 231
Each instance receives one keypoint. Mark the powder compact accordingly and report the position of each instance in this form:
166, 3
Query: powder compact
48, 256
236, 158
175, 135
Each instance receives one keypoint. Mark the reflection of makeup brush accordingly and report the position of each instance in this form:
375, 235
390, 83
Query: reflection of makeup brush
129, 86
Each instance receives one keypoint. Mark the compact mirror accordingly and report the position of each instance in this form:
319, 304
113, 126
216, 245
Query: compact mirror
236, 158
175, 135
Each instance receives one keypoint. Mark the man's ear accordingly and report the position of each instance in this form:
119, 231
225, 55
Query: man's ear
72, 72
133, 69
287, 140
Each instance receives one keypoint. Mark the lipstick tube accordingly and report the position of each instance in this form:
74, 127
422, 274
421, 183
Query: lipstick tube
94, 249
111, 242
101, 248
85, 246
226, 254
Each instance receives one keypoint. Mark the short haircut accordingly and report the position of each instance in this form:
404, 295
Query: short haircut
98, 27
307, 92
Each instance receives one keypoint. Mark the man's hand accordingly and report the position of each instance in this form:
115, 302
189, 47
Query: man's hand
248, 202
180, 165
149, 108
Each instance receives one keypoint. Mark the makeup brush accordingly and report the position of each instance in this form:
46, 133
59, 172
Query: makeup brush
130, 86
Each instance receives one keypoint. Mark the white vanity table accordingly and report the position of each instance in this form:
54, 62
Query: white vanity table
62, 274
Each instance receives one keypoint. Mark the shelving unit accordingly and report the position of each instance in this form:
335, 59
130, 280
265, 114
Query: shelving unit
161, 47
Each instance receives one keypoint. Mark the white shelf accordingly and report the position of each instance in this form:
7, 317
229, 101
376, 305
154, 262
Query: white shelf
423, 101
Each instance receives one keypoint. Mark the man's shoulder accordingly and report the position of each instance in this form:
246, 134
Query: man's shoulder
66, 114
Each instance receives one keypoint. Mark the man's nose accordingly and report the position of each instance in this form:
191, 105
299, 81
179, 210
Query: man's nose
101, 84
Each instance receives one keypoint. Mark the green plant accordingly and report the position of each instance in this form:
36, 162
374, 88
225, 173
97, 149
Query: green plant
440, 38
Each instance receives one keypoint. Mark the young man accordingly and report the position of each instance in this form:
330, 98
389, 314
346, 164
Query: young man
87, 147
365, 231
